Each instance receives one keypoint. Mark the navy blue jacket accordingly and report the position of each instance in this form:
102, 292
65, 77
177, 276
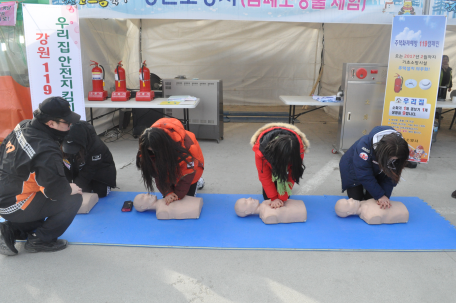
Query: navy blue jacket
358, 166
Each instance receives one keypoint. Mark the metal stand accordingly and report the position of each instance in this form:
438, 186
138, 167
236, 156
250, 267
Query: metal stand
293, 117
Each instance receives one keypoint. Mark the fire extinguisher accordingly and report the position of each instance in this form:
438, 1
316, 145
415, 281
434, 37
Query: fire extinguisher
98, 93
121, 93
144, 94
398, 83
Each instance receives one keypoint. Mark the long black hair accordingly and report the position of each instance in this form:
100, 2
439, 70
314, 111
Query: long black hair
282, 152
162, 162
392, 145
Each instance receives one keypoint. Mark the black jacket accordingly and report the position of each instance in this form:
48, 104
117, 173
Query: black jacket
98, 163
30, 162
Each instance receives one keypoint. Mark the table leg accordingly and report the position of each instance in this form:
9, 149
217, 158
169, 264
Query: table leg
91, 116
186, 122
289, 116
454, 116
294, 112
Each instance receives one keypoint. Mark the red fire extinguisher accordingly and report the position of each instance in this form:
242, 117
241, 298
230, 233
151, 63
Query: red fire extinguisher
98, 93
121, 93
398, 83
144, 94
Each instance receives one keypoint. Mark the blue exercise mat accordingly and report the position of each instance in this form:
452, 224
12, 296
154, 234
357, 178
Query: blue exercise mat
220, 228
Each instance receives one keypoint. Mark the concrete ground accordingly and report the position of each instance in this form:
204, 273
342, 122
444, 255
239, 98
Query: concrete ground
128, 274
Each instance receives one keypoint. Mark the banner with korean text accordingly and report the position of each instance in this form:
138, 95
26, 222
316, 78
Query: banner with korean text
320, 11
415, 60
8, 11
54, 54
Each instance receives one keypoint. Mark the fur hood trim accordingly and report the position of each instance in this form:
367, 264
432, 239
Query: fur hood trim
281, 125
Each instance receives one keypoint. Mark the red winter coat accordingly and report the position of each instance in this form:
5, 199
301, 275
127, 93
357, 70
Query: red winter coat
259, 141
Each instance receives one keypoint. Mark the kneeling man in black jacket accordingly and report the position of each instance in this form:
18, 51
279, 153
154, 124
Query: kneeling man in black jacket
36, 200
88, 161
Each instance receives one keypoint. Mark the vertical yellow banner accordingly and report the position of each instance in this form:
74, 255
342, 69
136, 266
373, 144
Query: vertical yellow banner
413, 80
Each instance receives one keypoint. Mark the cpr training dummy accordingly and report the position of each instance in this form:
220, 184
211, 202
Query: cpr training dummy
187, 208
290, 212
171, 157
279, 152
372, 166
370, 211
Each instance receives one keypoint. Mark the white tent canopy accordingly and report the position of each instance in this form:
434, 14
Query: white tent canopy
257, 61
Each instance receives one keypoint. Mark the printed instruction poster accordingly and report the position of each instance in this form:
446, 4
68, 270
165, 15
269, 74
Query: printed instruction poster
413, 80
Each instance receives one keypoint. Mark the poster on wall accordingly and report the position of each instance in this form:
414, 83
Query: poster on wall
54, 54
8, 11
443, 8
320, 11
413, 80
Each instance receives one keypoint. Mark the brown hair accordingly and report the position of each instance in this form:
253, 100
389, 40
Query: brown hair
392, 145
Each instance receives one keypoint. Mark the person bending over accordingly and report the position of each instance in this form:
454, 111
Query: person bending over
372, 166
279, 152
88, 161
36, 200
172, 157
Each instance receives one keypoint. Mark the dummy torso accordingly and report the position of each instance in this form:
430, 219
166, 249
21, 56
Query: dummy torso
292, 211
186, 208
371, 212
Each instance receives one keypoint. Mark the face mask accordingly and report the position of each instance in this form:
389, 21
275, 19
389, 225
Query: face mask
59, 135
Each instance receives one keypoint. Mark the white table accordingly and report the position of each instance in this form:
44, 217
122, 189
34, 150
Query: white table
446, 105
132, 103
292, 101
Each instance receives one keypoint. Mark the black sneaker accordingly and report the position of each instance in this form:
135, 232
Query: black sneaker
7, 240
35, 244
453, 195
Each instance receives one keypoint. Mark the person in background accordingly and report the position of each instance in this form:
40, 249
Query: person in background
88, 161
36, 200
372, 166
446, 78
279, 152
172, 157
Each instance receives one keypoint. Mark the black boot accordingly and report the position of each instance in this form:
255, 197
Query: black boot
35, 244
7, 240
411, 164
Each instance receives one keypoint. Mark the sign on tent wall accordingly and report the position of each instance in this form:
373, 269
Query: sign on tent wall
444, 8
321, 11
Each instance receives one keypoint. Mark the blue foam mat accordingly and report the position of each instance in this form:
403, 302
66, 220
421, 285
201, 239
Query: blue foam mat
220, 228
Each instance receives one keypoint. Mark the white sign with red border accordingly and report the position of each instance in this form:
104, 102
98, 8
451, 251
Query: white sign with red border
54, 54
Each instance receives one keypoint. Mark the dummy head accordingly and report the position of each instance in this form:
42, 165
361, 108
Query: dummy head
392, 153
245, 207
282, 152
143, 202
345, 208
159, 157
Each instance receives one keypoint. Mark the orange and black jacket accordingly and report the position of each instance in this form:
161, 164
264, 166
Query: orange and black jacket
30, 162
190, 172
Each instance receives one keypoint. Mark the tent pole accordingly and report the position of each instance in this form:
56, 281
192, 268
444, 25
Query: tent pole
140, 37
